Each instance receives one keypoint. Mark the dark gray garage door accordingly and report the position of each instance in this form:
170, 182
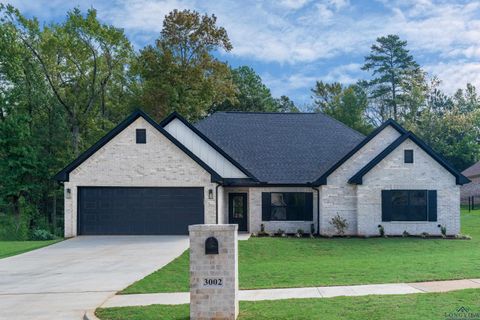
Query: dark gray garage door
138, 211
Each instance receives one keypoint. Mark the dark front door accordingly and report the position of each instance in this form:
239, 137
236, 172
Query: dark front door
138, 211
237, 210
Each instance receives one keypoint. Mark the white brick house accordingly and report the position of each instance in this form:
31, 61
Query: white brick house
284, 171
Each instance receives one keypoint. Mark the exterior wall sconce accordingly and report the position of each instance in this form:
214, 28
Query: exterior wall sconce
210, 194
68, 193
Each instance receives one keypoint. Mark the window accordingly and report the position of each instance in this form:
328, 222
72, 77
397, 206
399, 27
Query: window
408, 156
141, 135
409, 205
287, 206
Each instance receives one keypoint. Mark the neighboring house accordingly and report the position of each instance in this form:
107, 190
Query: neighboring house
471, 189
286, 171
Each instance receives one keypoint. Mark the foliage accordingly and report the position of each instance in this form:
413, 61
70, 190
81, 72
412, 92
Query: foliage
340, 224
251, 94
346, 104
381, 230
42, 235
395, 75
180, 72
284, 104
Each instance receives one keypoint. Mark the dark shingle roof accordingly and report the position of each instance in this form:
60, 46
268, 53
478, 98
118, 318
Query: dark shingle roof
472, 171
281, 147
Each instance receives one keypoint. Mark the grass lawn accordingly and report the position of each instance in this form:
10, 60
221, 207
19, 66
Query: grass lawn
11, 248
395, 307
279, 262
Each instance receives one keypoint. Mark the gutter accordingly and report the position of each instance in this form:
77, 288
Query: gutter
318, 209
216, 202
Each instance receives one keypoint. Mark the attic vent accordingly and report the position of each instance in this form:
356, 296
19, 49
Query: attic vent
408, 156
141, 135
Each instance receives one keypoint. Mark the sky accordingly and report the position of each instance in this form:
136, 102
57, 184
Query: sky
293, 43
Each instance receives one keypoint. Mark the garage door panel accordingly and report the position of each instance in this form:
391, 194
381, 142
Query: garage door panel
130, 211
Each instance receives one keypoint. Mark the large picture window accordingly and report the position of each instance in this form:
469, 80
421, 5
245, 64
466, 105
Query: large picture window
287, 206
409, 205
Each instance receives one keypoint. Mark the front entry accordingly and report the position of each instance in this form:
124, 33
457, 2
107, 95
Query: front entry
237, 210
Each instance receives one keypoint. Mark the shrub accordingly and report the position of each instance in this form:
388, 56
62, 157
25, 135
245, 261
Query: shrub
405, 234
299, 233
340, 224
443, 230
41, 235
463, 236
13, 230
312, 228
262, 228
381, 230
424, 235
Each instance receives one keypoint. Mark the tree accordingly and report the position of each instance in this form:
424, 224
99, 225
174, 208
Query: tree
81, 60
251, 93
394, 75
346, 104
284, 104
180, 72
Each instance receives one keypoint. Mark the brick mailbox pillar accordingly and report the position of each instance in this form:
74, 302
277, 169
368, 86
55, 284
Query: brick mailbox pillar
213, 271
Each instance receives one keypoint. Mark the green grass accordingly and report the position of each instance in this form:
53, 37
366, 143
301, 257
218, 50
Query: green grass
11, 248
394, 307
279, 262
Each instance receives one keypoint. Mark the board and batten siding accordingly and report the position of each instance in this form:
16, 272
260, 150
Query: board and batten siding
203, 150
123, 162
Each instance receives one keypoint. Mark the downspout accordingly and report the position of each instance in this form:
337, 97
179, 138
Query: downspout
216, 202
318, 210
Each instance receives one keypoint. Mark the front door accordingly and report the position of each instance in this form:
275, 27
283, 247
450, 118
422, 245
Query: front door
237, 210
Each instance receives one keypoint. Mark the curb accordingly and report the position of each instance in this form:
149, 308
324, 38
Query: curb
90, 315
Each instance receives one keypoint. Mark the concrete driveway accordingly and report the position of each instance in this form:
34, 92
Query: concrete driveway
63, 280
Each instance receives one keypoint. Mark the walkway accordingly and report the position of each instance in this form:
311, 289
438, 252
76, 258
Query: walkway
311, 292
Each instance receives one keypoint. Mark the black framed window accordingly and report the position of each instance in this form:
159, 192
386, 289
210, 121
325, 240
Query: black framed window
141, 136
287, 206
408, 156
409, 205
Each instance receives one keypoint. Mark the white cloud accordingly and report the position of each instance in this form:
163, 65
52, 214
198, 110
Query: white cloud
455, 75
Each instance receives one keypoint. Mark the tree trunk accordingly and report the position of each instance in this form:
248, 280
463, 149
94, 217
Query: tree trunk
16, 212
75, 137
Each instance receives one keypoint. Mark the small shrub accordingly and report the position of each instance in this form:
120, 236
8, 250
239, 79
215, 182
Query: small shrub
463, 236
262, 228
405, 234
340, 224
424, 235
300, 232
41, 235
281, 233
443, 230
312, 228
253, 235
381, 230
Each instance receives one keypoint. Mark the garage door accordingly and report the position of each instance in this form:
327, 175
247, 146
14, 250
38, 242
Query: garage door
138, 211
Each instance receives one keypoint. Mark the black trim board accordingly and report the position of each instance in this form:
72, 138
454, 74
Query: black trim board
63, 175
176, 115
358, 177
390, 122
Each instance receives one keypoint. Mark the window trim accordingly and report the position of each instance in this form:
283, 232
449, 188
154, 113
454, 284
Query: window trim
408, 156
430, 208
268, 206
141, 136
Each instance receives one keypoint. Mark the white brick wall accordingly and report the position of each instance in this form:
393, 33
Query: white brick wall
393, 173
340, 197
122, 162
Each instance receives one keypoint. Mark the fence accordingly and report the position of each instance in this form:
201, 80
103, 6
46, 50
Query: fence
471, 202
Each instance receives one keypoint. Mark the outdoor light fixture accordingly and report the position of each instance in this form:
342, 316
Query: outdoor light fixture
210, 194
68, 193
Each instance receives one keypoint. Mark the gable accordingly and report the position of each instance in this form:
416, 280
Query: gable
367, 148
202, 147
394, 155
110, 144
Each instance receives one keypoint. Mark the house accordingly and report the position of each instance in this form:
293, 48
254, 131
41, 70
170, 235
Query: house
284, 171
471, 189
